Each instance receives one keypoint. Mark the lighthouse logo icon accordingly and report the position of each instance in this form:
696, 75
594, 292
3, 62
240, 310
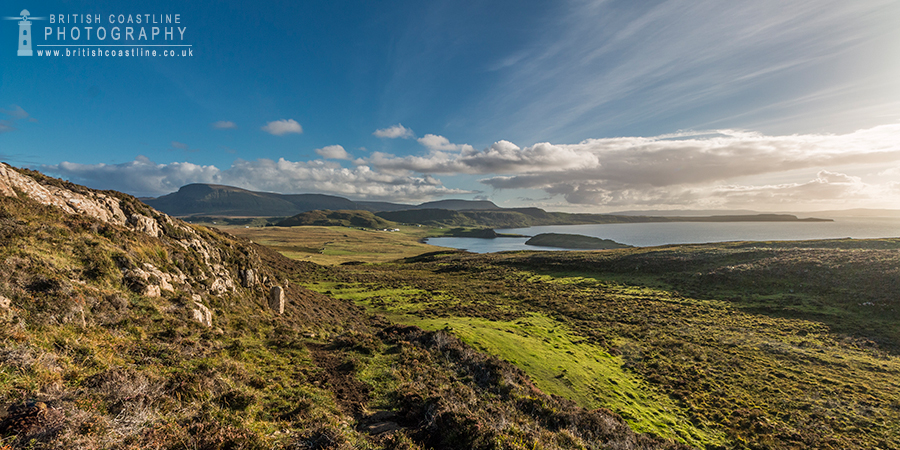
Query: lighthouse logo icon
25, 34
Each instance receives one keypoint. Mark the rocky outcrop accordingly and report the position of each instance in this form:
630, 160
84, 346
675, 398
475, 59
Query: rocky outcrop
276, 299
5, 304
144, 224
151, 291
91, 203
200, 312
222, 282
151, 282
248, 278
211, 267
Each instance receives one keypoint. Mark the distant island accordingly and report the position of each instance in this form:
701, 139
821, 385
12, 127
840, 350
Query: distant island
573, 241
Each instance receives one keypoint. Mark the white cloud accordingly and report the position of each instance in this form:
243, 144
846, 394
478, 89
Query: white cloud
679, 167
224, 125
893, 171
826, 190
721, 168
143, 177
333, 152
393, 132
662, 160
440, 143
179, 145
140, 177
282, 127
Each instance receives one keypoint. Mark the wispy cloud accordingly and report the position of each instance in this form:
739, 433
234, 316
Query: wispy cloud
604, 67
224, 125
394, 132
14, 114
282, 127
333, 152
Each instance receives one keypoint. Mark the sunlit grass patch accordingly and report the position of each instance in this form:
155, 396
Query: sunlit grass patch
559, 361
564, 364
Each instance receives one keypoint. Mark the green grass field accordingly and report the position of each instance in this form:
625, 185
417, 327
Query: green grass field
756, 345
558, 360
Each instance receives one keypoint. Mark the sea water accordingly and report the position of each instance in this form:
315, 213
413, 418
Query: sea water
663, 233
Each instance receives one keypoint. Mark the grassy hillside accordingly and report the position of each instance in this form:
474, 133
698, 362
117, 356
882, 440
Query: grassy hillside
741, 345
153, 333
359, 219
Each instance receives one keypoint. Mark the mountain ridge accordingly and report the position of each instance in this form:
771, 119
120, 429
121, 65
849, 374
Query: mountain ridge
202, 199
219, 200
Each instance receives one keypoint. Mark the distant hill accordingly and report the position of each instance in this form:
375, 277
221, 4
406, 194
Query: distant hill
195, 199
382, 206
686, 212
214, 199
529, 217
362, 219
573, 241
459, 205
857, 212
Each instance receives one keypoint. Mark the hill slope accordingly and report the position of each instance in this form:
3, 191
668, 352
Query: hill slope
363, 219
747, 345
212, 199
121, 327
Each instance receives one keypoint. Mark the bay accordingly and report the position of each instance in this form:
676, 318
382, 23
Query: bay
654, 234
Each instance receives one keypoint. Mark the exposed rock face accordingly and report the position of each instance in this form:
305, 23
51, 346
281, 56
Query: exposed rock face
248, 278
151, 281
151, 291
222, 281
5, 304
91, 203
94, 204
216, 275
200, 312
276, 299
144, 224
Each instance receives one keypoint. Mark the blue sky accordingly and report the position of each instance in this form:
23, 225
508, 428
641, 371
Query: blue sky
579, 105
